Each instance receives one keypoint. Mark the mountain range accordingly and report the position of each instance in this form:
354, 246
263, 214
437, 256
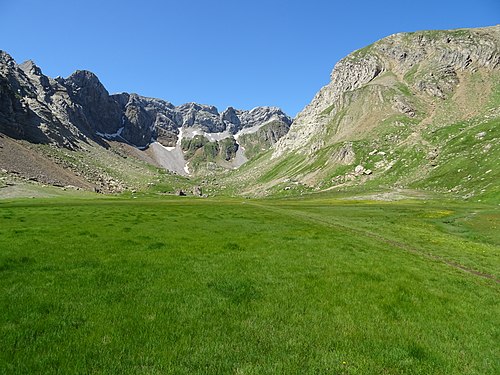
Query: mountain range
415, 111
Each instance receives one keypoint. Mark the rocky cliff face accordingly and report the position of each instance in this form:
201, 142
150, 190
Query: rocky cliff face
429, 62
67, 110
31, 105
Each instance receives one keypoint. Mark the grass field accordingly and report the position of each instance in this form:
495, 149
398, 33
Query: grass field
205, 286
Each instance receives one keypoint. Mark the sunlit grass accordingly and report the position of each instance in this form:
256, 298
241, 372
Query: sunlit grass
212, 287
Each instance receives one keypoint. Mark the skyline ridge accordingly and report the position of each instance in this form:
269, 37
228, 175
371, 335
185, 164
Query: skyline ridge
224, 54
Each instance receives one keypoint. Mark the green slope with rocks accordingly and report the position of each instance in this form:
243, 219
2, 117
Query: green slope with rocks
413, 110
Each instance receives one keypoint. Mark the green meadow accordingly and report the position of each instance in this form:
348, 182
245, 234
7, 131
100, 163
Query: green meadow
231, 286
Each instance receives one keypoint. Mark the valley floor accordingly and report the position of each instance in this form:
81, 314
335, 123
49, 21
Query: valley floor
215, 286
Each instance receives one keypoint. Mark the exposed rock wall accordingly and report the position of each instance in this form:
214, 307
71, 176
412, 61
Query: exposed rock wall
66, 110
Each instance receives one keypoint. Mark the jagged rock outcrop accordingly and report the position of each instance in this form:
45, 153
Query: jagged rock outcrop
33, 106
428, 61
66, 110
228, 148
230, 115
96, 111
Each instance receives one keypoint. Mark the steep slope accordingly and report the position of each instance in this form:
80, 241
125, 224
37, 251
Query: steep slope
417, 110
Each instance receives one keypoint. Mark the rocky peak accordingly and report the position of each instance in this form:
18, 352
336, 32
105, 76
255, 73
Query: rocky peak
205, 117
30, 68
35, 73
147, 102
6, 59
195, 107
260, 115
83, 79
99, 112
230, 116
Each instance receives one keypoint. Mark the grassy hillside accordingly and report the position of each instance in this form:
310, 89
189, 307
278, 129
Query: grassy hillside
116, 168
197, 286
429, 124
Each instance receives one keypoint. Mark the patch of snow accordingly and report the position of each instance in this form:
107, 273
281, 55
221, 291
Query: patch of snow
250, 130
111, 135
212, 137
191, 132
239, 158
179, 137
170, 158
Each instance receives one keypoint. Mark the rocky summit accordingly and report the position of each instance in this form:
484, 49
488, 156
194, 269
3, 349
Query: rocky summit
414, 110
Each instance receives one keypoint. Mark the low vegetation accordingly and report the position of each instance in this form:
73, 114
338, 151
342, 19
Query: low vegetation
207, 286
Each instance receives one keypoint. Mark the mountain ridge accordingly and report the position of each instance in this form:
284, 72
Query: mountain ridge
103, 112
390, 118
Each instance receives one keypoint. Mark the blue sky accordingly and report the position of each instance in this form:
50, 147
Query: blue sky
226, 53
